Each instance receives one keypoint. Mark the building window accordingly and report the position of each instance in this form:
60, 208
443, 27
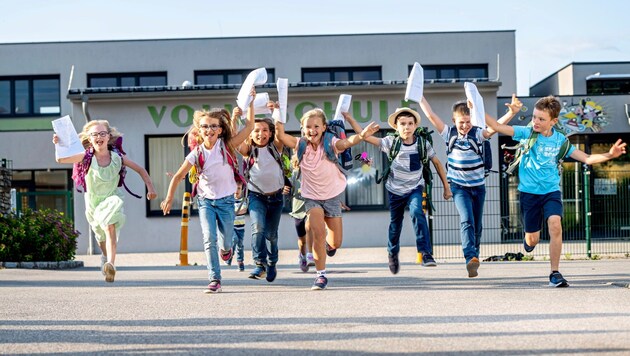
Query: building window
48, 189
231, 76
608, 86
29, 96
341, 74
165, 155
111, 80
455, 73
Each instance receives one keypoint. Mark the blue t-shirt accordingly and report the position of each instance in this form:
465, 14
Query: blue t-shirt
538, 170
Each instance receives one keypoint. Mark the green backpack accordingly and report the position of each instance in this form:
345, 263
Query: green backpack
422, 135
523, 147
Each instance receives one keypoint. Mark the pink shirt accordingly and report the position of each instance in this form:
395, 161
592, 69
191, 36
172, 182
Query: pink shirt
321, 178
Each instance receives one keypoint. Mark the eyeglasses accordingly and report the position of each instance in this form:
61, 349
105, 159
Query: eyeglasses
206, 127
97, 134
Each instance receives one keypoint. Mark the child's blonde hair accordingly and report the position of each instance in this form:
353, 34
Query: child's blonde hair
195, 139
85, 137
317, 112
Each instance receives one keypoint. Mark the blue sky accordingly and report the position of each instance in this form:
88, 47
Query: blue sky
549, 34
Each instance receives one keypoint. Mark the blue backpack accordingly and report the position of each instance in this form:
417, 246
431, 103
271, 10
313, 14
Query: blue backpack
484, 150
334, 128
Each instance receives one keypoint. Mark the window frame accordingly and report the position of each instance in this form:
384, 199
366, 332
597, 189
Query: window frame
31, 95
225, 73
456, 68
118, 77
348, 70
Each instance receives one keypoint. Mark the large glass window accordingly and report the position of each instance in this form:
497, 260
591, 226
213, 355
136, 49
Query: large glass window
165, 156
457, 72
608, 86
29, 96
228, 76
341, 74
112, 80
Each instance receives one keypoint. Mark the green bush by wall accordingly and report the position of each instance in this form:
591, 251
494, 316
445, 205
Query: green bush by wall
43, 235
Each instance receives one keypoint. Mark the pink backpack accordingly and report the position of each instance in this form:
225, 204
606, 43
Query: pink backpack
80, 169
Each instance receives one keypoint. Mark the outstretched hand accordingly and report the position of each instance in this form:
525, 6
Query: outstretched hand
55, 139
166, 206
618, 149
370, 130
515, 106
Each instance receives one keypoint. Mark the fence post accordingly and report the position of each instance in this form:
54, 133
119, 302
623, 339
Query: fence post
587, 208
183, 241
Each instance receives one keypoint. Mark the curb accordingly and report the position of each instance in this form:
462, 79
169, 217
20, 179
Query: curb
43, 265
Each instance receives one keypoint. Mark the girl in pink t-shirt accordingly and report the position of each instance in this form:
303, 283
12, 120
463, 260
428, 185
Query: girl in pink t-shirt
322, 185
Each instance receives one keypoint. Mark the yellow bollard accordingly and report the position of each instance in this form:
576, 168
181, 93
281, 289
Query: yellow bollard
183, 242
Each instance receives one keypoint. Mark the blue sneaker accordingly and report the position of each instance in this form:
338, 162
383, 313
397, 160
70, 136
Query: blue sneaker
556, 280
320, 283
271, 272
527, 247
258, 272
427, 260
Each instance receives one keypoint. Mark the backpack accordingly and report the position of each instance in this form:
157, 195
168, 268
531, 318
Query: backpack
80, 169
334, 128
484, 150
423, 135
523, 147
197, 168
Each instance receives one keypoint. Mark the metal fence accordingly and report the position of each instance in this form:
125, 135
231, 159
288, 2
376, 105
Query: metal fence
596, 217
55, 200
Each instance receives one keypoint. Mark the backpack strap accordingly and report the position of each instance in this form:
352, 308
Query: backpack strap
123, 172
80, 170
393, 152
452, 137
521, 149
564, 149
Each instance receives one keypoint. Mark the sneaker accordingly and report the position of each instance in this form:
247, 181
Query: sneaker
472, 266
394, 265
428, 261
241, 266
330, 251
213, 287
527, 247
229, 261
320, 283
556, 280
310, 259
103, 262
272, 272
303, 263
226, 255
110, 272
258, 272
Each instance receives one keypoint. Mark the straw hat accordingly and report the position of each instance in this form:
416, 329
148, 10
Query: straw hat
391, 120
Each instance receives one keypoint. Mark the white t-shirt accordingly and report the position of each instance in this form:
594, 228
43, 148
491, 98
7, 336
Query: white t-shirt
217, 178
265, 173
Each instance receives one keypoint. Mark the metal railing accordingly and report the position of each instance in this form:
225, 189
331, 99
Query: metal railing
57, 200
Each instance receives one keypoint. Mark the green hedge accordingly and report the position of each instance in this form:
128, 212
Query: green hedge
43, 235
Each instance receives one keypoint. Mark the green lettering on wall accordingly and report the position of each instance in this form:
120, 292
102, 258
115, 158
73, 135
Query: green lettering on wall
356, 111
205, 107
176, 115
303, 107
329, 110
155, 115
383, 110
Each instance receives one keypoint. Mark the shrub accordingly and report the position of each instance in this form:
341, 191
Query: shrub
42, 235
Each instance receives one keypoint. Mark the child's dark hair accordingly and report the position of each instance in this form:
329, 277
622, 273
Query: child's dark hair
272, 130
461, 108
550, 104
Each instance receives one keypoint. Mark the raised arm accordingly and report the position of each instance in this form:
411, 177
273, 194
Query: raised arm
72, 159
242, 135
376, 141
615, 151
355, 139
497, 127
177, 177
513, 108
439, 168
286, 139
151, 194
236, 115
433, 117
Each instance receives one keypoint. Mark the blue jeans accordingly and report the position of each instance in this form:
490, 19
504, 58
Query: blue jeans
237, 243
217, 219
265, 212
469, 202
397, 205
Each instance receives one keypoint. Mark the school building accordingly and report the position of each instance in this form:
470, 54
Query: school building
149, 90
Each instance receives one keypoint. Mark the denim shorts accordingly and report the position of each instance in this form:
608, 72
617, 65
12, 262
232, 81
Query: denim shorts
331, 207
537, 208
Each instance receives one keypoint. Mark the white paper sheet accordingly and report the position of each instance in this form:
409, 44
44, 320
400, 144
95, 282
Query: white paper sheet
69, 143
478, 113
415, 84
260, 104
255, 77
283, 89
343, 105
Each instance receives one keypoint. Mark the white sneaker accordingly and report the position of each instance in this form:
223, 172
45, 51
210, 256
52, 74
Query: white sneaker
103, 262
310, 259
110, 272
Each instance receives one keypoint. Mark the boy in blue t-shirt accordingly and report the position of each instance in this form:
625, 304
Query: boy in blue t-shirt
539, 178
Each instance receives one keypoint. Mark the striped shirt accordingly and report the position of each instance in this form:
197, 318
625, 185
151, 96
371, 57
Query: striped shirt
464, 166
406, 170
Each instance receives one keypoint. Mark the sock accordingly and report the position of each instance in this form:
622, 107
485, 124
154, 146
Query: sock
321, 273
